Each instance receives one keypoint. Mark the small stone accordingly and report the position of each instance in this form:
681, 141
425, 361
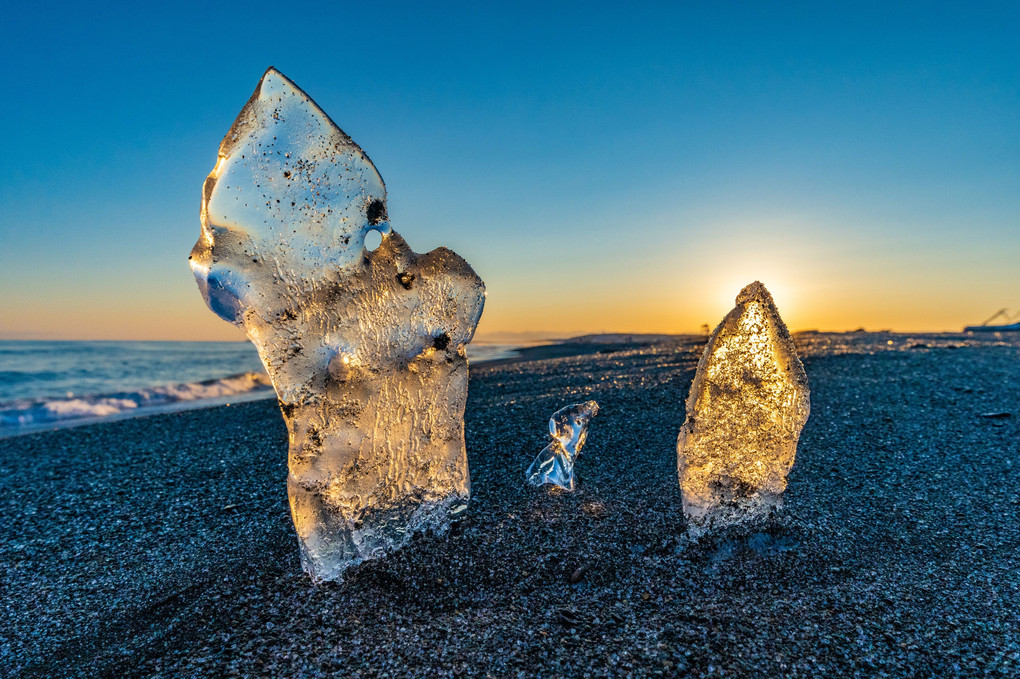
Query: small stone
576, 576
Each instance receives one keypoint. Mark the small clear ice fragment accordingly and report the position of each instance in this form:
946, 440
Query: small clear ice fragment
569, 429
364, 348
747, 406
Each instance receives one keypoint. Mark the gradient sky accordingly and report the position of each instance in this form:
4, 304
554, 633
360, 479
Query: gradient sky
602, 167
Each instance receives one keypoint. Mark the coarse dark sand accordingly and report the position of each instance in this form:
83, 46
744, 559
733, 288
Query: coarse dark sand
162, 546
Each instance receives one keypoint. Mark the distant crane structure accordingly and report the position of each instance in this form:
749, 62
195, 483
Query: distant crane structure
1009, 324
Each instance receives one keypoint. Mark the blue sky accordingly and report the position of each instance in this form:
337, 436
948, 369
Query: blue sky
602, 167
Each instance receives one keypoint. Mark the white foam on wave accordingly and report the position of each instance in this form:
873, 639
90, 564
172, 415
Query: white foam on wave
26, 414
79, 407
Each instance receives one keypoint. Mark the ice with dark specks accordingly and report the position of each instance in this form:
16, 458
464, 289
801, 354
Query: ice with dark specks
365, 348
746, 408
569, 429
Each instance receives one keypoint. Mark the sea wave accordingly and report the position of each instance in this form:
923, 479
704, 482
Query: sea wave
17, 415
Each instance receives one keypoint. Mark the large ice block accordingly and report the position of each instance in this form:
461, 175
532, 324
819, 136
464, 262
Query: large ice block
747, 406
568, 428
365, 348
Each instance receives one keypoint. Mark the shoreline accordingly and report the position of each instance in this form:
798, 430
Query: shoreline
507, 354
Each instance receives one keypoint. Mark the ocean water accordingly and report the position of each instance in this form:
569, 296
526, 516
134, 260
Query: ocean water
45, 384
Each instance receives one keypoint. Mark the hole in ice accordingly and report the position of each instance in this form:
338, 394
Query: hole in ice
373, 239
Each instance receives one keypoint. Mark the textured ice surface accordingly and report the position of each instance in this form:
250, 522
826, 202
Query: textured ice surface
569, 429
747, 405
365, 349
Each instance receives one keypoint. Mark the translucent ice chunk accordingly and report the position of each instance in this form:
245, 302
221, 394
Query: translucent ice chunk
365, 348
747, 406
569, 429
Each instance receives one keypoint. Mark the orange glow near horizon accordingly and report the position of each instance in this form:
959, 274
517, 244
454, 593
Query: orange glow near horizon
596, 307
687, 275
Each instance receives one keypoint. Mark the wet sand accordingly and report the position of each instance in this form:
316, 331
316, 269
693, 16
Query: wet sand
162, 546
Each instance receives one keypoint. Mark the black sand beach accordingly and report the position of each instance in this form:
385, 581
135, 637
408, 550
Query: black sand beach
162, 546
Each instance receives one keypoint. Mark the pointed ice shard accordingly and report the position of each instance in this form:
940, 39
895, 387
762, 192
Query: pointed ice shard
747, 405
365, 348
569, 429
